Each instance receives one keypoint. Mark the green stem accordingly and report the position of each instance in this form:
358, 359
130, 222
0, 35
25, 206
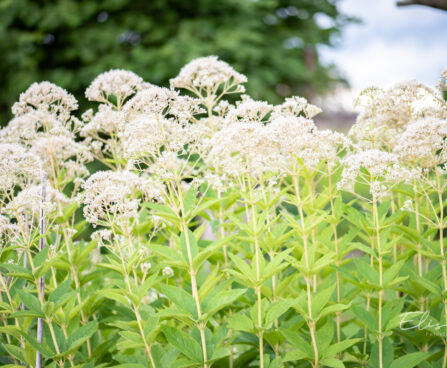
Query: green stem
381, 291
192, 273
258, 275
441, 248
337, 255
311, 322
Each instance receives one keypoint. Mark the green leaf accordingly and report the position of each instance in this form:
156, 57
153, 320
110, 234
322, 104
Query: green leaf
189, 200
391, 272
324, 335
221, 300
365, 317
298, 342
43, 348
30, 301
409, 360
320, 300
181, 299
332, 362
184, 343
169, 254
240, 322
62, 293
365, 270
16, 271
79, 336
115, 294
295, 355
277, 309
338, 347
15, 351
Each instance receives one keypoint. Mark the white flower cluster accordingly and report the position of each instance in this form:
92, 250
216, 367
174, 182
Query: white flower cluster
249, 110
377, 168
385, 114
45, 127
46, 97
110, 196
28, 202
297, 106
207, 74
118, 83
272, 139
114, 196
17, 166
424, 143
106, 120
156, 140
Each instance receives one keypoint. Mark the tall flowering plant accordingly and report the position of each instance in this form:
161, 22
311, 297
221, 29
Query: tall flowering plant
183, 230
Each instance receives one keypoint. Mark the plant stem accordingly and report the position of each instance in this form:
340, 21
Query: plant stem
258, 275
337, 255
192, 273
41, 288
381, 291
441, 248
226, 265
135, 309
311, 322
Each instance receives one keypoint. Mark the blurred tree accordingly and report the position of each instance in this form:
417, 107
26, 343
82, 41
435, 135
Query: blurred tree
69, 42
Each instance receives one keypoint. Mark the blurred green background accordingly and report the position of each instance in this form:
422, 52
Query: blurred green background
69, 42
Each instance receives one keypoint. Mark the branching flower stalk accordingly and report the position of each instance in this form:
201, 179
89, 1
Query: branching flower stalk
42, 278
440, 190
337, 254
381, 291
127, 279
311, 323
192, 271
258, 272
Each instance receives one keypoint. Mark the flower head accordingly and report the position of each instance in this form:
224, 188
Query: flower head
424, 143
208, 73
46, 97
379, 169
17, 166
116, 82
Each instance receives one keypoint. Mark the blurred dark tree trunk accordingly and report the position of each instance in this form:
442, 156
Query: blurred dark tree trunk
310, 60
437, 4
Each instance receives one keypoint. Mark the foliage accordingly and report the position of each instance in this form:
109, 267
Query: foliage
69, 42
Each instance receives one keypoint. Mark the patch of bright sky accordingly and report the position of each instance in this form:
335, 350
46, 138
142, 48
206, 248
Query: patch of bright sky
390, 45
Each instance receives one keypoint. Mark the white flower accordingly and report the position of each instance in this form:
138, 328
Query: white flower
17, 166
106, 120
109, 196
249, 110
386, 113
296, 106
382, 171
423, 143
168, 271
46, 97
28, 201
208, 73
152, 296
116, 82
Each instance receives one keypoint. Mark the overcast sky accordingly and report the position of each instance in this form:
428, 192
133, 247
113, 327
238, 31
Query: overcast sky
390, 45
